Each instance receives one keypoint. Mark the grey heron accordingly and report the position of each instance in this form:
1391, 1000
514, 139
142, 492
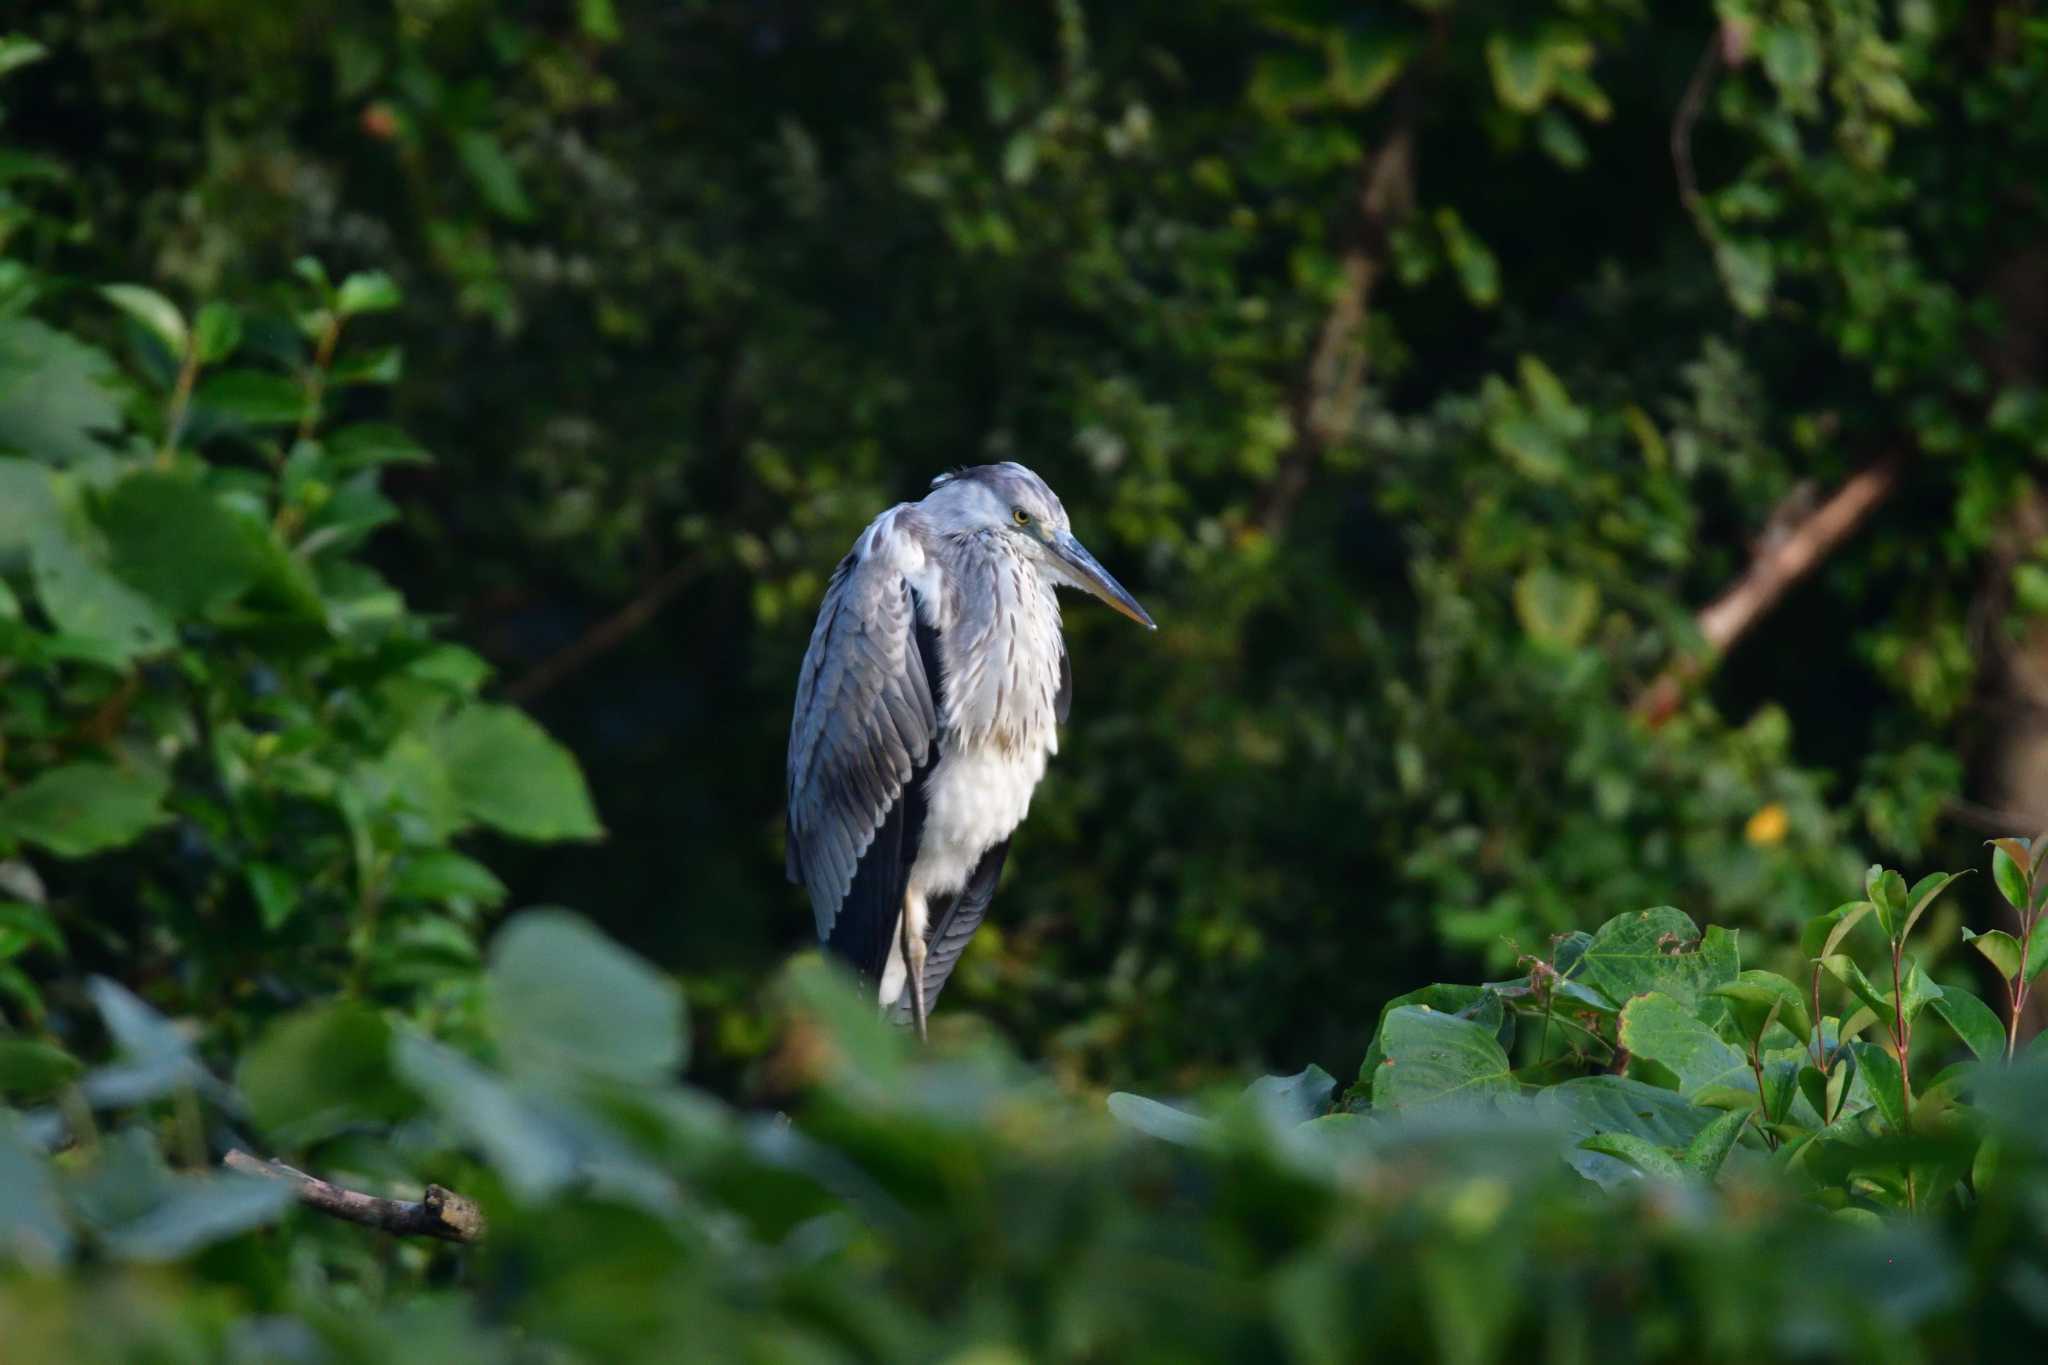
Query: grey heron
928, 703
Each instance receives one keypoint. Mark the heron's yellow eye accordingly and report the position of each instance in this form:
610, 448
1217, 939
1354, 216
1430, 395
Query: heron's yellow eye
1020, 516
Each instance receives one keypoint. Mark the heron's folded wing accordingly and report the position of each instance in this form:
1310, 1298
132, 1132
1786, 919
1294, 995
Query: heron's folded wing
865, 723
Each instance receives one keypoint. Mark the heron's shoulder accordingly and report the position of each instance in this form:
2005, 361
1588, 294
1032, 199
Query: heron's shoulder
900, 538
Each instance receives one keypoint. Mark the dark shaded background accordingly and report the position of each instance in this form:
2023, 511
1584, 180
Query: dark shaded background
695, 289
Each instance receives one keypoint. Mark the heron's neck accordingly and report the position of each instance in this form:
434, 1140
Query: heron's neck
999, 647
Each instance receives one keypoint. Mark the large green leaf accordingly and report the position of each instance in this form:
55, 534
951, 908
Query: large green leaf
565, 998
1433, 1058
527, 1147
31, 1067
86, 600
1973, 1022
1162, 1121
1477, 1003
28, 508
315, 1073
1660, 950
179, 545
55, 400
508, 773
33, 1228
82, 808
1660, 1029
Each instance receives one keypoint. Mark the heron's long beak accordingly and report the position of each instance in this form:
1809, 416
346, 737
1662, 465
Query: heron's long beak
1096, 579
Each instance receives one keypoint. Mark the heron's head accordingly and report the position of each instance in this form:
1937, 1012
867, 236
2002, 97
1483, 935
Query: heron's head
1009, 500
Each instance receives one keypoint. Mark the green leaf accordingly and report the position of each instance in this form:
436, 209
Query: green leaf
218, 331
532, 1153
1659, 950
1621, 1104
33, 1228
32, 1068
199, 1210
1161, 1121
319, 1072
29, 924
367, 291
367, 445
507, 773
1292, 1099
81, 808
566, 999
1887, 891
1881, 1077
1823, 934
1521, 71
2037, 952
57, 394
255, 397
1756, 998
1791, 58
1814, 1086
157, 315
1646, 1157
1478, 269
441, 874
275, 892
1660, 1029
1923, 895
86, 600
28, 507
493, 174
17, 52
179, 545
1556, 610
1973, 1021
1999, 948
1747, 271
1710, 1149
1433, 1058
2010, 861
1476, 1003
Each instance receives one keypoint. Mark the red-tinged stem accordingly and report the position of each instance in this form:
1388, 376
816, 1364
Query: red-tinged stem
1903, 1038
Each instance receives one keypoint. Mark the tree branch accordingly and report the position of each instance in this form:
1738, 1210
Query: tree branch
441, 1213
1324, 402
605, 636
1682, 122
1779, 564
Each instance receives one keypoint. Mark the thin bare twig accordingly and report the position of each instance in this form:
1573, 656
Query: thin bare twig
605, 636
1778, 565
1688, 114
439, 1213
1325, 400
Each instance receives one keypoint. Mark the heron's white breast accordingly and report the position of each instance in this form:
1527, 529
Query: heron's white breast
974, 799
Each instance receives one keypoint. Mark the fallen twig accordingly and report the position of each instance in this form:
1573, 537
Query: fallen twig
440, 1213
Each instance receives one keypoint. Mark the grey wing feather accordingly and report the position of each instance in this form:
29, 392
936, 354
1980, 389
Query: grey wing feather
865, 719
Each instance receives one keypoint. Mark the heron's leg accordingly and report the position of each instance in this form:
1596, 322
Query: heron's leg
912, 945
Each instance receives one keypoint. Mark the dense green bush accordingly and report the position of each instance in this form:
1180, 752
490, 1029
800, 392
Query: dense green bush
233, 762
1639, 1149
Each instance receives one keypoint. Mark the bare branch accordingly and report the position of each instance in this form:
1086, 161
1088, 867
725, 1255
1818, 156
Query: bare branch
1325, 401
1780, 562
606, 635
1682, 122
441, 1213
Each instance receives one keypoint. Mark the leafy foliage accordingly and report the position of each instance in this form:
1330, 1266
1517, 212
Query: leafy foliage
1426, 368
